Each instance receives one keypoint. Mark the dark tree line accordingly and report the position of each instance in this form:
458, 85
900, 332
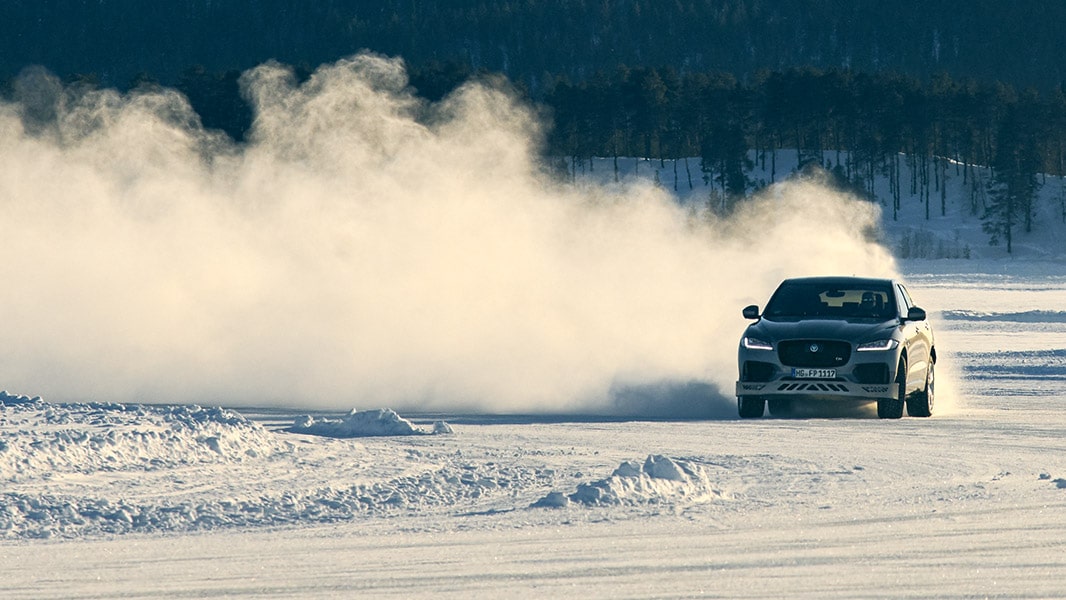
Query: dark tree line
1020, 42
883, 84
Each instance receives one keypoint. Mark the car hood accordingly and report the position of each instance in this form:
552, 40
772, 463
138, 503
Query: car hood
822, 329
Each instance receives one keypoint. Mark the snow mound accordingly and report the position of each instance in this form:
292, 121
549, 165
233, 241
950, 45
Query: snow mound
75, 470
38, 516
41, 440
85, 449
1060, 483
1030, 316
7, 399
659, 480
367, 423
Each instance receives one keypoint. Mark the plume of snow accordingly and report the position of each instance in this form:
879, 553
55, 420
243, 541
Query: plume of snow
366, 247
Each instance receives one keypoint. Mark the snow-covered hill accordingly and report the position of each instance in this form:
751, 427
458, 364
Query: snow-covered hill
955, 234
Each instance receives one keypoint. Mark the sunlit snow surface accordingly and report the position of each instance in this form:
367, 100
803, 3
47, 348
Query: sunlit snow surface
142, 500
1006, 326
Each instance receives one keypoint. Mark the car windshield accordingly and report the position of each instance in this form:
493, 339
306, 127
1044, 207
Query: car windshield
832, 301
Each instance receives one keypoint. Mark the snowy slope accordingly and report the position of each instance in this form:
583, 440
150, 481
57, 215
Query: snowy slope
956, 234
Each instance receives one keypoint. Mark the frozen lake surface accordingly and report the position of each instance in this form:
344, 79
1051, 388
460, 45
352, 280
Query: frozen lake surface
125, 501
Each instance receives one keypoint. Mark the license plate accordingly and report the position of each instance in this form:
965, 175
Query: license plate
814, 373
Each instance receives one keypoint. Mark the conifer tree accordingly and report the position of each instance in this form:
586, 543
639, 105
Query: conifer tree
1014, 187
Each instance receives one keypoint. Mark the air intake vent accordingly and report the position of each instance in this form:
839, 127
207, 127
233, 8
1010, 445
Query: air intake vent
871, 373
812, 386
758, 371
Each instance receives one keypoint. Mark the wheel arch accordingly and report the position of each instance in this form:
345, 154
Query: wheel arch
902, 357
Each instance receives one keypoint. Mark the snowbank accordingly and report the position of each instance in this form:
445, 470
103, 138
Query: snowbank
660, 480
8, 399
44, 515
89, 469
41, 439
76, 470
68, 469
367, 423
1029, 316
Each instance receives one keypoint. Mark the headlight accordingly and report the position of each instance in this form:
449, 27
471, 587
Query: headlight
756, 344
882, 345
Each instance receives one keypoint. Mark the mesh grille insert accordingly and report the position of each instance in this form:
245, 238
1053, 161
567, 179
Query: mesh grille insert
814, 353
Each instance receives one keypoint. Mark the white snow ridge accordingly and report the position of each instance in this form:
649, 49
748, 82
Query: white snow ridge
90, 469
366, 423
660, 480
56, 461
41, 440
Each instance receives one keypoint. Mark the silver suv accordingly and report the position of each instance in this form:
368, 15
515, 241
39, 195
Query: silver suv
837, 338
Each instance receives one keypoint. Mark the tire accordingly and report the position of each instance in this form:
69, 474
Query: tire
921, 404
781, 407
893, 409
750, 407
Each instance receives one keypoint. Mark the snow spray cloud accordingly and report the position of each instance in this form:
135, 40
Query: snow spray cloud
366, 249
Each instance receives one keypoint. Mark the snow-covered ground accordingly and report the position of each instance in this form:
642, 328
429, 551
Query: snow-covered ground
108, 500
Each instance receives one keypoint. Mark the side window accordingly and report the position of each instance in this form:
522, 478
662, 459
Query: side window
906, 296
906, 303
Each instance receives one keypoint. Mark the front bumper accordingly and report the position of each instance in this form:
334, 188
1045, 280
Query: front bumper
814, 388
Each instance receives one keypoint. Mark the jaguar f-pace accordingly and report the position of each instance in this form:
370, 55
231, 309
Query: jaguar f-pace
846, 339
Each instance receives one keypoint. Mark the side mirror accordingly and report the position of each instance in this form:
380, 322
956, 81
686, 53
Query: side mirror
751, 312
915, 314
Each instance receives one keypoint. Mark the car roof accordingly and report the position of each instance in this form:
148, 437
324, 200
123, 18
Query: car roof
841, 281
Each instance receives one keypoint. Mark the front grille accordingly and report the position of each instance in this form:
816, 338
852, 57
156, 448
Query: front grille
814, 353
871, 373
758, 371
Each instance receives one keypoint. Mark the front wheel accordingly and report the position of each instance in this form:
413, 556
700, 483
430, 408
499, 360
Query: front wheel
921, 404
750, 407
893, 409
